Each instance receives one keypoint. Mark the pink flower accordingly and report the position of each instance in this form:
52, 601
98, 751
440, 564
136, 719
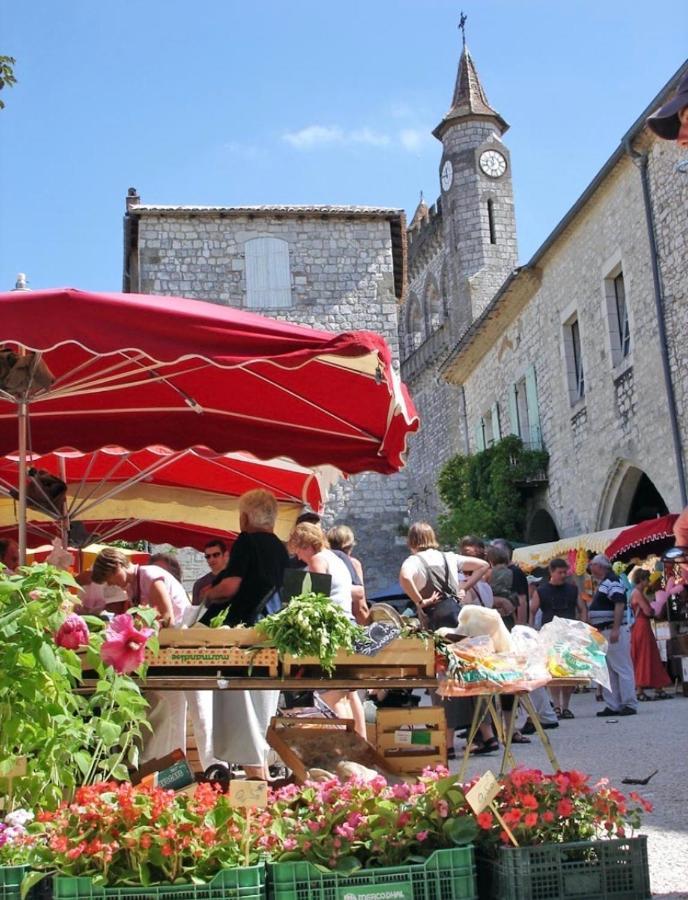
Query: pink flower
72, 633
289, 843
421, 836
124, 646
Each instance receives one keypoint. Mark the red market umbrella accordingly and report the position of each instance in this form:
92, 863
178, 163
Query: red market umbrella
648, 538
81, 369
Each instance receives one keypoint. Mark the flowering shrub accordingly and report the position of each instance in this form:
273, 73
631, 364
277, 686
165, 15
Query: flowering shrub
559, 808
67, 738
124, 647
349, 825
15, 841
117, 834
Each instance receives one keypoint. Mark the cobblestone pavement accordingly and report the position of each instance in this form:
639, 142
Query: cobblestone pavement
657, 738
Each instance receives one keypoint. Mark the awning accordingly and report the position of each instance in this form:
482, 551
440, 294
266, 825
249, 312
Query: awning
541, 554
649, 538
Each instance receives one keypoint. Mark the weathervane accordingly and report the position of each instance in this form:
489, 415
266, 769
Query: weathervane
462, 26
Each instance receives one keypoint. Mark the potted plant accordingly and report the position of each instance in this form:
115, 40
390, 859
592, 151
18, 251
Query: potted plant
64, 738
359, 838
115, 840
575, 840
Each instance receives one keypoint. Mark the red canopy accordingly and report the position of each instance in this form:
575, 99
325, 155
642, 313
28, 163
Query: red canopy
648, 538
143, 370
177, 534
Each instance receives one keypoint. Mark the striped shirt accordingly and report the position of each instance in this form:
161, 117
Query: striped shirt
610, 592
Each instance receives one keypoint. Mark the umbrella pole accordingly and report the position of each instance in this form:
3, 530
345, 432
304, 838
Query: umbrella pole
23, 422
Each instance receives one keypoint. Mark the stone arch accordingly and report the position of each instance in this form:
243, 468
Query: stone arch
629, 496
433, 306
542, 528
415, 324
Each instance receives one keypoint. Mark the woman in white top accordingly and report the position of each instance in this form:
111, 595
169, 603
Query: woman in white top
154, 586
308, 542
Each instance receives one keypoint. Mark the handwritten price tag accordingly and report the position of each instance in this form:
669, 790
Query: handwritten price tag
483, 793
248, 794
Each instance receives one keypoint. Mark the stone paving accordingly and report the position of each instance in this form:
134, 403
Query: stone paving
657, 738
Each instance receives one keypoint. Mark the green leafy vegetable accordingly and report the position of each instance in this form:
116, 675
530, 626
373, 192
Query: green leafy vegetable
312, 625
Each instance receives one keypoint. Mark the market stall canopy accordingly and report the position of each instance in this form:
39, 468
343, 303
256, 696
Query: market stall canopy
649, 538
142, 370
541, 554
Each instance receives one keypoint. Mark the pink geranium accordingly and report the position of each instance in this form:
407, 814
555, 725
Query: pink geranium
72, 633
124, 646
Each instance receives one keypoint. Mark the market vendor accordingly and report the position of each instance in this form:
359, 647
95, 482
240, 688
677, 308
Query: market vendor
253, 575
150, 585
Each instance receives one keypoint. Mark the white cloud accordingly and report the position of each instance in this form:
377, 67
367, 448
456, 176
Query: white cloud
245, 151
314, 136
414, 139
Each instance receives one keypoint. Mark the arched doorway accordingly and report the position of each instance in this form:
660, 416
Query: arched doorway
630, 497
542, 529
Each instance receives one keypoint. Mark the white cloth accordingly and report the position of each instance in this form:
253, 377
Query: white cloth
199, 706
240, 723
340, 592
167, 718
621, 676
146, 576
413, 569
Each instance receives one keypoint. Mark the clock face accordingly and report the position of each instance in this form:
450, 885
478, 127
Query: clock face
493, 163
447, 175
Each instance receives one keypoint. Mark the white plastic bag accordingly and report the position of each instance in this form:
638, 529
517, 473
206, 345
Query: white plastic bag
575, 650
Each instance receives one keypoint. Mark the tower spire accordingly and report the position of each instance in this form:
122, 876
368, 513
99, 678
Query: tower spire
469, 98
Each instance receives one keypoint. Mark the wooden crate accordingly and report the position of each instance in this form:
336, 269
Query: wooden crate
214, 657
403, 757
210, 637
402, 657
303, 744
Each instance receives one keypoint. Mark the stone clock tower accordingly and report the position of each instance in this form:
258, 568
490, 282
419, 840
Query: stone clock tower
477, 196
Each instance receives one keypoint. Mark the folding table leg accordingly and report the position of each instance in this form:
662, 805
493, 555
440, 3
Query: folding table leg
508, 755
478, 713
541, 733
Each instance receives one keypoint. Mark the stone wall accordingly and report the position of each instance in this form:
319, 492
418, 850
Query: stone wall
620, 425
342, 273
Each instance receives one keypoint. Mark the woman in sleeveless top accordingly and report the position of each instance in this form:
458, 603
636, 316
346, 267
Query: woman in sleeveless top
308, 542
647, 664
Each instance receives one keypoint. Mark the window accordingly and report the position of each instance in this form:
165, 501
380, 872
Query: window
268, 278
574, 360
488, 431
491, 221
415, 334
617, 316
524, 410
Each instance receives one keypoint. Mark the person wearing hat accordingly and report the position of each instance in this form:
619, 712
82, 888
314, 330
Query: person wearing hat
606, 613
670, 122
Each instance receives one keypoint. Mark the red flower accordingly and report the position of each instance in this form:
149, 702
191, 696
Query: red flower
530, 820
72, 633
564, 808
529, 801
484, 820
124, 646
548, 817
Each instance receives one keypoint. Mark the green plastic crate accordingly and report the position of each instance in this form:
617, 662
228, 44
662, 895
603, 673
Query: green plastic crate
445, 875
10, 881
584, 870
229, 884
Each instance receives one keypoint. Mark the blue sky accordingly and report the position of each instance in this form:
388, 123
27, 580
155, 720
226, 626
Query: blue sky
229, 102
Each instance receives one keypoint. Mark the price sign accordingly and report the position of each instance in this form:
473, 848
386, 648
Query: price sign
483, 793
248, 794
482, 796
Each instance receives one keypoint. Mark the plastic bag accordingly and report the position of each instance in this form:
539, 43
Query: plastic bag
530, 653
575, 650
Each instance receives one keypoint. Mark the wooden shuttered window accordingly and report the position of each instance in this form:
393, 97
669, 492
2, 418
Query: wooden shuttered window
268, 277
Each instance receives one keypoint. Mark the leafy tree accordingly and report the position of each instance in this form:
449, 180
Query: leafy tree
7, 78
485, 492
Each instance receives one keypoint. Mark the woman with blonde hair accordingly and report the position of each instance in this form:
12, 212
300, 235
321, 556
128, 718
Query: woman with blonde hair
308, 542
342, 542
253, 577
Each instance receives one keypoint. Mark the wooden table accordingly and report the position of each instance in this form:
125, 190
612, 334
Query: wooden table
209, 682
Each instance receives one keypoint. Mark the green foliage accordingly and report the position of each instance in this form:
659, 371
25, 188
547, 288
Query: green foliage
485, 493
311, 625
68, 738
7, 78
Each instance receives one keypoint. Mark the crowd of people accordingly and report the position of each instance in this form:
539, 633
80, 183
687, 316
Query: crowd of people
244, 583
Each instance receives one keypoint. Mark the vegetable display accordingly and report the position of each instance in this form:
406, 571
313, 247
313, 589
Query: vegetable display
312, 625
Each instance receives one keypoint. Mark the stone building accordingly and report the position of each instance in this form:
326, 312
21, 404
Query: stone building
334, 268
460, 252
569, 352
566, 351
